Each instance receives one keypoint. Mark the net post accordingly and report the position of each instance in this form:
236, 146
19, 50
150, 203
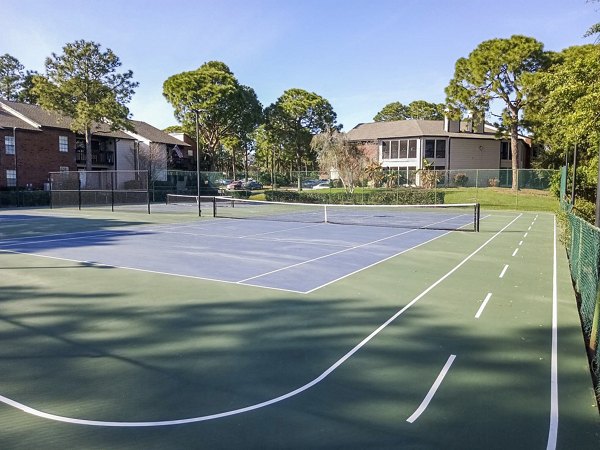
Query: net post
477, 216
214, 206
325, 213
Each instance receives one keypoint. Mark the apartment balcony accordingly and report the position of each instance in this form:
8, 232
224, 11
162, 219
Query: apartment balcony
98, 158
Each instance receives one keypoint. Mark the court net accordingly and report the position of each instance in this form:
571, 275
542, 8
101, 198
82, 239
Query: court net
438, 217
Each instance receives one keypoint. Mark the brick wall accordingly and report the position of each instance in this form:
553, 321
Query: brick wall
37, 154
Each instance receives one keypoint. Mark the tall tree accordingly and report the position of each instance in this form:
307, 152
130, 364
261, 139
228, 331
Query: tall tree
335, 151
214, 96
494, 72
27, 95
421, 109
563, 111
249, 117
417, 109
295, 118
12, 76
83, 83
392, 111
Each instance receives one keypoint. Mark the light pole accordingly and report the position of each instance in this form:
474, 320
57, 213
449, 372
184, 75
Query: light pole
197, 112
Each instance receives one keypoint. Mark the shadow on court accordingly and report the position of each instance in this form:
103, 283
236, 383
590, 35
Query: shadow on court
161, 355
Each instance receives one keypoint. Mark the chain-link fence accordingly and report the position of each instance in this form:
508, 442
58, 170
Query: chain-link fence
582, 241
108, 188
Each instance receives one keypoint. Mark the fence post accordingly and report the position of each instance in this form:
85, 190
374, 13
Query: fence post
112, 190
79, 189
594, 333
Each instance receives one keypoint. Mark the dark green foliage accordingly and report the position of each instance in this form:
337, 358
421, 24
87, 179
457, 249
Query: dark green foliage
12, 198
376, 197
418, 109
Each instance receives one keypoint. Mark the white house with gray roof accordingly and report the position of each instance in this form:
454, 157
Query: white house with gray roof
404, 145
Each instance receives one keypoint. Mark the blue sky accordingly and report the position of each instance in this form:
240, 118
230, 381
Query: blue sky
359, 55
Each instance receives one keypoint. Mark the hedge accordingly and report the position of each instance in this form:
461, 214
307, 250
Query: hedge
377, 197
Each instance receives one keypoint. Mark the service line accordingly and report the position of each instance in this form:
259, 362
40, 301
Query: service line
515, 252
503, 271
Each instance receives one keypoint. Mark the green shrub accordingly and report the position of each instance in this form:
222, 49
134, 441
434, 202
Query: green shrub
375, 197
461, 179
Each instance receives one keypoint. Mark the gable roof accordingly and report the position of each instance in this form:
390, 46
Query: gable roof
410, 128
34, 117
8, 120
148, 132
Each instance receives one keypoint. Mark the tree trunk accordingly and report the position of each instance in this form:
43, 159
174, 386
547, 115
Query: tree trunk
514, 146
246, 163
88, 149
233, 171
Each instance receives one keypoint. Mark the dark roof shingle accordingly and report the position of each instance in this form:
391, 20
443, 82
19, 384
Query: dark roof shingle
408, 128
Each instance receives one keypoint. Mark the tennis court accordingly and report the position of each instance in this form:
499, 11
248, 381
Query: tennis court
125, 330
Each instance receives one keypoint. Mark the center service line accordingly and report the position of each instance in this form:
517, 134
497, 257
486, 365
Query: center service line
503, 271
423, 406
483, 305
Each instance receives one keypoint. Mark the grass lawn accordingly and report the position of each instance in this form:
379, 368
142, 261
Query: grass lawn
489, 198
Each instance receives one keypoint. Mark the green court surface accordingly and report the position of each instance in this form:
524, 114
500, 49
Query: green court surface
468, 341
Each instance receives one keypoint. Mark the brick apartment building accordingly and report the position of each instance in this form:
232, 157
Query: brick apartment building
35, 142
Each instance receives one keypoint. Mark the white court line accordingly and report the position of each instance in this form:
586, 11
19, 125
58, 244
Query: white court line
520, 243
503, 271
324, 256
529, 229
515, 252
325, 374
553, 430
483, 305
438, 381
525, 235
137, 269
353, 248
43, 241
313, 225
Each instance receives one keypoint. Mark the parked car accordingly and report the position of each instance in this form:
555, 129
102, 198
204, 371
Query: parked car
235, 185
308, 184
324, 184
252, 185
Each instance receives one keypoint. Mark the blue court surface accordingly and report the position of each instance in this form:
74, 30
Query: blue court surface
278, 255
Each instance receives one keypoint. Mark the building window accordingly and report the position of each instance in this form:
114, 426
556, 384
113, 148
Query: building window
440, 148
403, 152
394, 149
412, 148
399, 149
435, 148
429, 148
11, 178
505, 151
385, 150
63, 144
64, 168
9, 145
